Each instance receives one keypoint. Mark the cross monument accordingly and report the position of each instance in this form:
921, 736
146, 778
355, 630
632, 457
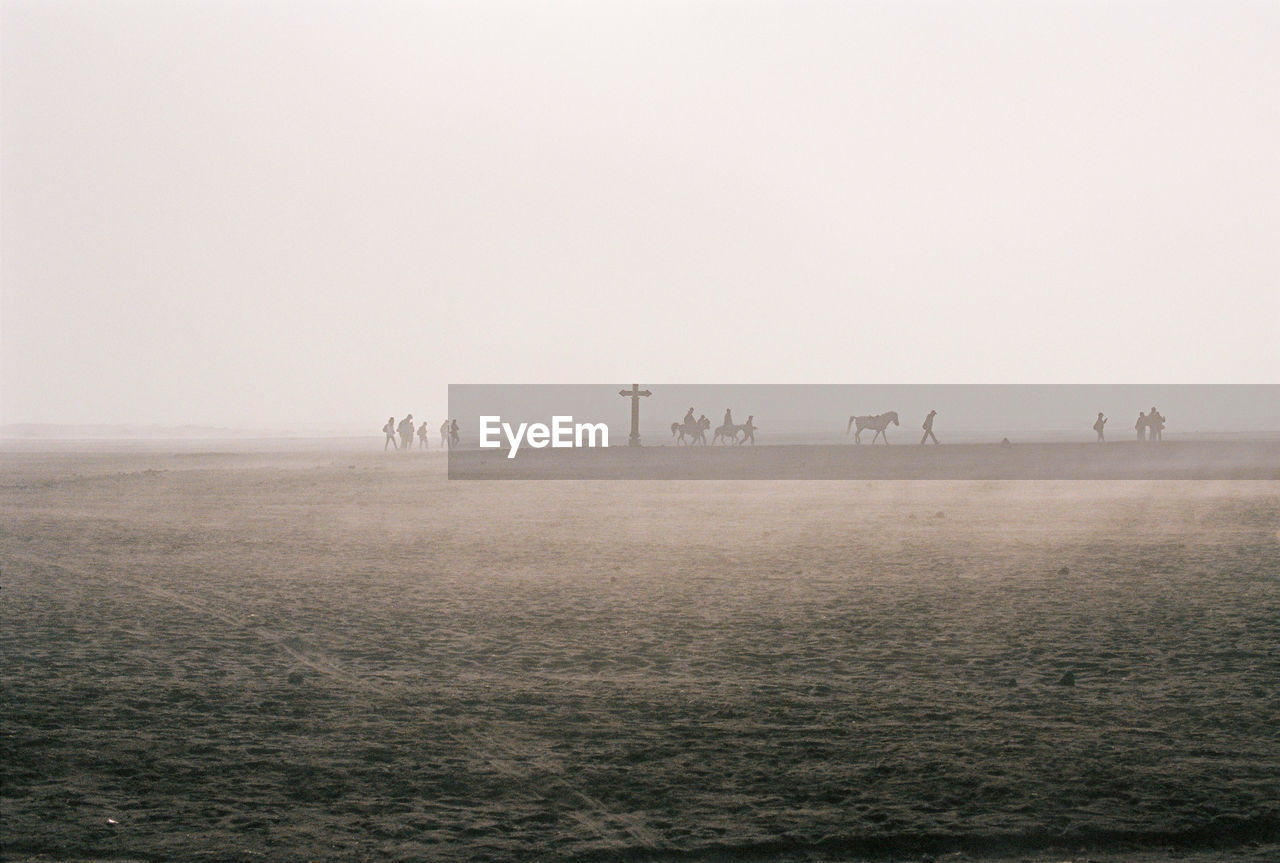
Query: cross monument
634, 394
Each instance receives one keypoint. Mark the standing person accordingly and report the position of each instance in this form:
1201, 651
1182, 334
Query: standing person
1156, 421
1098, 425
390, 431
406, 432
444, 433
1141, 426
928, 428
454, 437
422, 435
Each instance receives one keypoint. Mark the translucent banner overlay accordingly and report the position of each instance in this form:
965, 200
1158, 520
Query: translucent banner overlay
864, 431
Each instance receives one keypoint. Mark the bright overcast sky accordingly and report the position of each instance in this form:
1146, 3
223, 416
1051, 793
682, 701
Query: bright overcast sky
242, 212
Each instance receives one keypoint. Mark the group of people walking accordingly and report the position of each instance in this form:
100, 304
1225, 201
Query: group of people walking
405, 429
1150, 426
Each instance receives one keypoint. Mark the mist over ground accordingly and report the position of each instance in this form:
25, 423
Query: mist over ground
343, 655
235, 237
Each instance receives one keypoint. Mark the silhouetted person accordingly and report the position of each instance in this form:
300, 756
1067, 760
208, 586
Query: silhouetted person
390, 430
1098, 425
444, 433
728, 417
1141, 426
749, 431
689, 421
928, 428
1156, 422
406, 432
422, 435
454, 437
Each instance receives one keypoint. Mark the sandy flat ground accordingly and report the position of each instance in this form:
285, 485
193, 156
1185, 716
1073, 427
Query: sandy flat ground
344, 655
1188, 458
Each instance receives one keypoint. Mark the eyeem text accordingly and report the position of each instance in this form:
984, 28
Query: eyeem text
563, 432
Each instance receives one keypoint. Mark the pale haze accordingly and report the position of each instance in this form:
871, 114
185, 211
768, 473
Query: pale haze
246, 213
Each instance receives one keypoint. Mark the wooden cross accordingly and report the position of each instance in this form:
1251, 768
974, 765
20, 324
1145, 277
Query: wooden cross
634, 394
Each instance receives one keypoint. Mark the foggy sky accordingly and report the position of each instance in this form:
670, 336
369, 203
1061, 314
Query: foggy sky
245, 212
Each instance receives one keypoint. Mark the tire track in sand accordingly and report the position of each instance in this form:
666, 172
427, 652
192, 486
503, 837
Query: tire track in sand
588, 811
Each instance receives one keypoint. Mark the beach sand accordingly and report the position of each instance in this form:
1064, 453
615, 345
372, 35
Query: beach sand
1186, 459
342, 655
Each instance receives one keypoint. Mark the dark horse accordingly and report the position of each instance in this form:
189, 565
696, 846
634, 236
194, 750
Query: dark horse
695, 431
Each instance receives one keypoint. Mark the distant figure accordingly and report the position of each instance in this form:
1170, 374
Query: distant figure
422, 435
726, 433
454, 437
704, 426
749, 431
1141, 426
1004, 441
928, 428
688, 419
728, 417
1156, 422
694, 430
879, 422
406, 432
390, 430
444, 434
1098, 425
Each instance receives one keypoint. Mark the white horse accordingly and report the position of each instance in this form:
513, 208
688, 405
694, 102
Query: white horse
696, 431
879, 422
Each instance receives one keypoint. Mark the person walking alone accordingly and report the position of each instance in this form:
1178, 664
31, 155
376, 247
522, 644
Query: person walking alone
928, 428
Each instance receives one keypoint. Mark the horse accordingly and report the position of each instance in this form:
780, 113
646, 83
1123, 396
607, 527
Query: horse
696, 431
879, 422
727, 432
